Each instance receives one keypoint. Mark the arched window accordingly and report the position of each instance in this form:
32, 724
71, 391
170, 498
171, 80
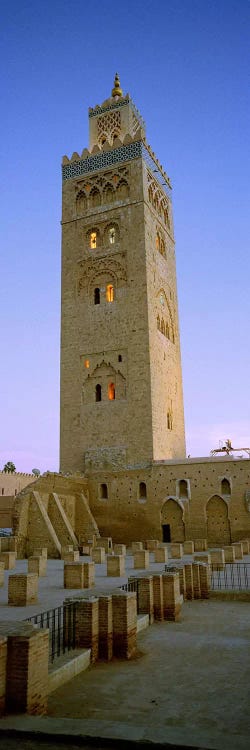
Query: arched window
103, 491
97, 296
98, 392
109, 194
93, 240
183, 488
162, 247
158, 323
81, 202
142, 490
111, 235
95, 198
111, 391
225, 487
122, 190
110, 293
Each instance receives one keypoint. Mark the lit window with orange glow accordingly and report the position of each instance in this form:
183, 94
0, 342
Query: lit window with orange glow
86, 363
93, 240
111, 391
110, 293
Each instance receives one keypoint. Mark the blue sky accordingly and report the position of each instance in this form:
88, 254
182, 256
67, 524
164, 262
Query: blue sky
185, 63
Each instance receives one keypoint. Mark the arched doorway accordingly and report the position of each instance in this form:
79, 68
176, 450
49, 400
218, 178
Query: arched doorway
173, 529
218, 526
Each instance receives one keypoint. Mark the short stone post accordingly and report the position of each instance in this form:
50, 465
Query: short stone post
87, 624
158, 596
238, 550
1, 574
189, 580
106, 542
105, 627
196, 580
22, 589
37, 565
151, 544
124, 624
116, 565
73, 575
205, 580
172, 599
245, 546
40, 552
217, 559
182, 577
141, 559
27, 667
188, 547
200, 545
161, 555
3, 673
98, 555
88, 575
9, 560
13, 544
120, 549
204, 557
229, 553
177, 550
136, 546
70, 555
146, 597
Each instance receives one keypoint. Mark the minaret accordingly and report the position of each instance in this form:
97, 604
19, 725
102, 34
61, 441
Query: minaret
121, 382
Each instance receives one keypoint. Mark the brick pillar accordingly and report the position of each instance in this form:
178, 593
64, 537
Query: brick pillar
124, 624
141, 559
238, 550
9, 560
200, 545
41, 552
245, 546
73, 575
161, 555
203, 557
37, 565
182, 578
70, 555
106, 542
120, 549
136, 546
88, 575
189, 581
105, 627
13, 544
87, 625
27, 667
217, 559
146, 597
205, 580
151, 544
177, 550
158, 596
196, 581
229, 553
3, 674
188, 547
172, 599
116, 565
98, 555
22, 589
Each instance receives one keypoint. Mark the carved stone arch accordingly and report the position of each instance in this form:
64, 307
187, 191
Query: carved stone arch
93, 230
104, 375
218, 524
101, 277
122, 190
95, 197
172, 520
226, 487
81, 202
169, 313
108, 193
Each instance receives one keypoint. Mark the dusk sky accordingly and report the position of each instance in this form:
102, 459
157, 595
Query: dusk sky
186, 65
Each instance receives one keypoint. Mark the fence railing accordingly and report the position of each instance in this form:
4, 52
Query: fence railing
132, 585
233, 577
61, 624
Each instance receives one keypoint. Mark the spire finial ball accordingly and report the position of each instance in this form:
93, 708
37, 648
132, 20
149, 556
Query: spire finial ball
117, 91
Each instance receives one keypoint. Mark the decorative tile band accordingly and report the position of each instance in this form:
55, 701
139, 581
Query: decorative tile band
117, 105
116, 156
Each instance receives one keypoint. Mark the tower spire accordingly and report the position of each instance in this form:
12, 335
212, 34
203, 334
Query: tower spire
117, 91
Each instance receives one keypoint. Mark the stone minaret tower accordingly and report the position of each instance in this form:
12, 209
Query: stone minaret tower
121, 381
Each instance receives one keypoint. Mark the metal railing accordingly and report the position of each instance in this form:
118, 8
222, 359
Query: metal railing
132, 585
233, 577
61, 624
